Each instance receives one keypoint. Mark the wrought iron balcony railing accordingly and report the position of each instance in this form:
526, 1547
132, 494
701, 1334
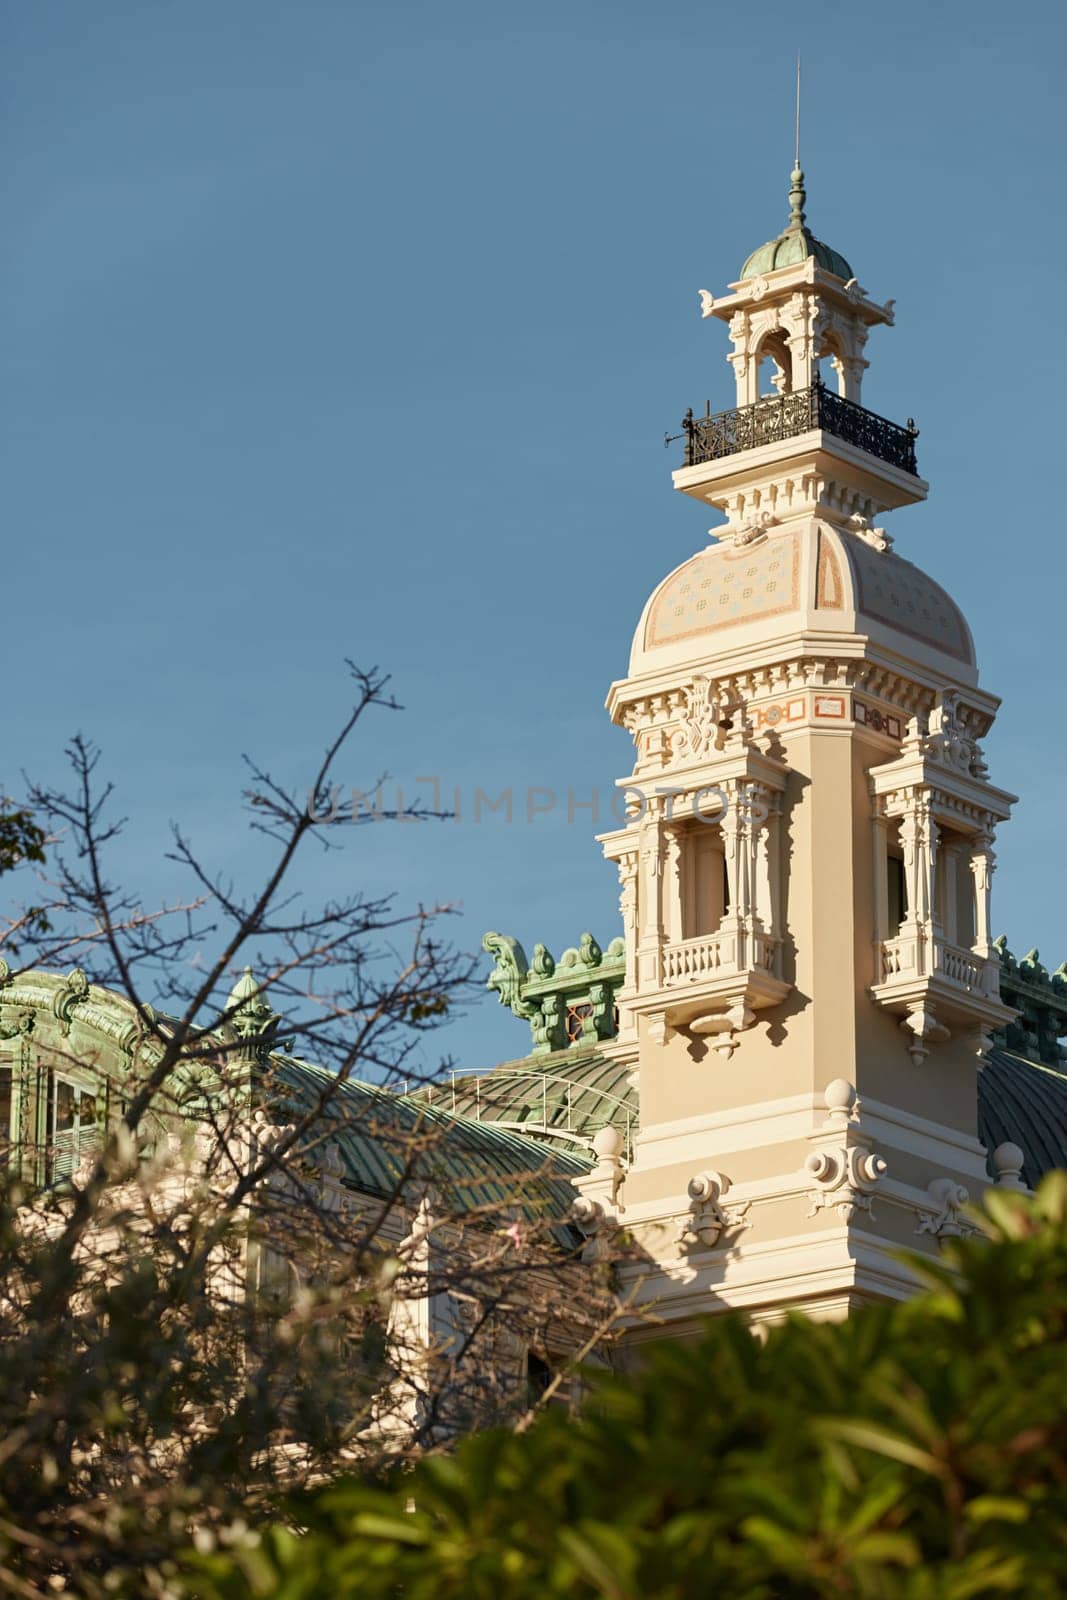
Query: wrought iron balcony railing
785, 416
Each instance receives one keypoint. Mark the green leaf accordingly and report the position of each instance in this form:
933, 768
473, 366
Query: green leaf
869, 1436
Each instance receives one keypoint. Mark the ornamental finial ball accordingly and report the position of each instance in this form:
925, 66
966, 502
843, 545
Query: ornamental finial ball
1008, 1165
840, 1095
607, 1143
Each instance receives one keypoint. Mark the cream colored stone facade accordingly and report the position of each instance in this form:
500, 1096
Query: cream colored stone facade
805, 870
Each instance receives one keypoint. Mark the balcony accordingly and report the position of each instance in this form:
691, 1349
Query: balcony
711, 954
694, 958
929, 982
725, 433
714, 984
902, 958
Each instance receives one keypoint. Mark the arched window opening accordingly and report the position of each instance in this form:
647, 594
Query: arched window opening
705, 889
954, 899
896, 882
830, 364
774, 366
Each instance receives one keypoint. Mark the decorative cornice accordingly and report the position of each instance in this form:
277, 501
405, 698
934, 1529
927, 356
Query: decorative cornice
1040, 997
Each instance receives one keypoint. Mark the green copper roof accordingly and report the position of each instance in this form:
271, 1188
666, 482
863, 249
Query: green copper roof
796, 244
1025, 1103
566, 1096
390, 1142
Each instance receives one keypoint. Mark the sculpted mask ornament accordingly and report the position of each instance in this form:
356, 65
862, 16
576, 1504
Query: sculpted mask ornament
754, 528
708, 1218
877, 538
709, 717
948, 741
23, 1025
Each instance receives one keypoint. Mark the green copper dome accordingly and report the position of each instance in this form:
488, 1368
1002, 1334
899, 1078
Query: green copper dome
796, 244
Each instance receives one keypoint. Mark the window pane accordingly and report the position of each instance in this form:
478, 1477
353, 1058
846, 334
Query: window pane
87, 1110
895, 885
64, 1104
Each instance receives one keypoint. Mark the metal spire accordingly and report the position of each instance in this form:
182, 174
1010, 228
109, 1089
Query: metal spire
797, 193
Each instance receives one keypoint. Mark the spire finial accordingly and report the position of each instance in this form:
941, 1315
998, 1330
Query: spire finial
797, 196
797, 192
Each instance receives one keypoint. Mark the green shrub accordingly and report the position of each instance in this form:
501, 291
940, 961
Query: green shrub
915, 1450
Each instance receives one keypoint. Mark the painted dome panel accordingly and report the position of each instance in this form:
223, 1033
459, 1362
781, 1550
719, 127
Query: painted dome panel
892, 590
720, 588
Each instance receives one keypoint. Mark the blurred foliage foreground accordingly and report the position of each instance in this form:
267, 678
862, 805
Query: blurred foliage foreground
915, 1450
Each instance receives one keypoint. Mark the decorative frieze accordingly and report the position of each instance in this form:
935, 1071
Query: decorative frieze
571, 1001
1040, 999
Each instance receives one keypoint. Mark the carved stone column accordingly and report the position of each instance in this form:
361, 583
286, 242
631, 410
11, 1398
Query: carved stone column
766, 907
983, 865
650, 903
736, 849
881, 882
926, 842
627, 865
672, 883
852, 382
918, 835
741, 359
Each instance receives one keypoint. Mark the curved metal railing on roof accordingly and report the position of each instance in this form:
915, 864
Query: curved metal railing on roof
785, 416
553, 1107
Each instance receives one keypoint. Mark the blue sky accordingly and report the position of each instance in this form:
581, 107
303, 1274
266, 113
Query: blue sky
341, 329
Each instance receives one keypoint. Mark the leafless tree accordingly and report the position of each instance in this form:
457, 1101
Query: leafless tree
235, 1257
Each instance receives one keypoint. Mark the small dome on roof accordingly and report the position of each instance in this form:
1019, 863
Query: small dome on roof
796, 244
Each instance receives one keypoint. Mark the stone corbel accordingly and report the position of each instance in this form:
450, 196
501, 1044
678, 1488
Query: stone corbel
983, 1043
724, 1026
708, 1218
75, 989
922, 1029
659, 1028
944, 1219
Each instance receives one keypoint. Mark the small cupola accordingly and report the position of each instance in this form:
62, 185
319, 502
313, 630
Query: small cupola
796, 243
